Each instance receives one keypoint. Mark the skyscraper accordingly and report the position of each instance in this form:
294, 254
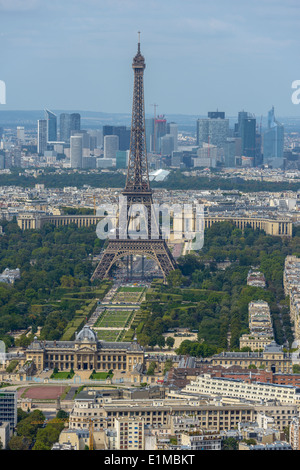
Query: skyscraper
111, 146
213, 130
76, 151
246, 130
42, 136
75, 122
51, 126
160, 130
167, 144
122, 158
216, 114
273, 141
69, 123
173, 130
248, 135
64, 127
85, 137
122, 132
21, 133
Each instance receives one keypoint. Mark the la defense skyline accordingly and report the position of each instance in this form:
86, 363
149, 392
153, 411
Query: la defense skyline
220, 138
243, 143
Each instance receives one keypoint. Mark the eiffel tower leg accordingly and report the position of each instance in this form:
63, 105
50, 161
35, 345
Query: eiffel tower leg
104, 266
157, 250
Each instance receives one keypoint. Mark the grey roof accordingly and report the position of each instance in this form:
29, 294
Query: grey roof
273, 347
86, 335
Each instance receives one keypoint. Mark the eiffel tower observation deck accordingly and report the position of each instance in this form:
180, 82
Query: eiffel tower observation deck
137, 193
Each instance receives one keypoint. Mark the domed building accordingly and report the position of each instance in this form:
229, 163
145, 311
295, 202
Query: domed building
86, 352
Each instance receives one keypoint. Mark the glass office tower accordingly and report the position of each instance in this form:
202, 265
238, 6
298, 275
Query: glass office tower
51, 126
273, 141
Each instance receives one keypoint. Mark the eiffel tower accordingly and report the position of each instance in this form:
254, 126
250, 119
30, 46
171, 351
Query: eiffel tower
137, 193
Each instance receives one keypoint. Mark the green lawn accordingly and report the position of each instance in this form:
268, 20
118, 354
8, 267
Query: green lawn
129, 294
100, 376
108, 335
62, 375
131, 289
113, 319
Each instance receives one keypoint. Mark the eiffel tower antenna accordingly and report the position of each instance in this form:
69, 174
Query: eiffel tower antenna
137, 191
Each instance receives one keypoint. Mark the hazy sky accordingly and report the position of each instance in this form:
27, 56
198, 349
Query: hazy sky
200, 55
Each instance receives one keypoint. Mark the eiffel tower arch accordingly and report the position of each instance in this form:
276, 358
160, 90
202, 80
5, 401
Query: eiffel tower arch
137, 191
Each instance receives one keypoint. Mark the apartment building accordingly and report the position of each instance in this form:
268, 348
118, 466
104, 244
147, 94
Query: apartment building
159, 413
130, 434
291, 283
260, 318
256, 391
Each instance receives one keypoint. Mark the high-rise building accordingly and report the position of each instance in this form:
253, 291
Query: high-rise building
69, 123
130, 434
75, 122
85, 137
122, 132
16, 157
213, 130
21, 133
167, 144
232, 150
122, 158
8, 407
76, 151
51, 126
273, 141
173, 130
216, 115
160, 130
246, 130
42, 136
64, 127
248, 136
111, 146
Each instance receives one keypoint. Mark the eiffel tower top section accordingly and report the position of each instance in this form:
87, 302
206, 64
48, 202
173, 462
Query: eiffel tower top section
137, 174
138, 60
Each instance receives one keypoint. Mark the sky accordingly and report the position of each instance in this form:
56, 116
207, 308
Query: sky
200, 55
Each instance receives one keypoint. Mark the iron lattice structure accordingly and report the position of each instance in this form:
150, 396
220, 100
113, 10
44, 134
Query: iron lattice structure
137, 192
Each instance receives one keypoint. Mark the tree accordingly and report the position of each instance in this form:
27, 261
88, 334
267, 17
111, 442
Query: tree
47, 436
62, 414
170, 342
161, 341
151, 368
175, 278
19, 443
230, 444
